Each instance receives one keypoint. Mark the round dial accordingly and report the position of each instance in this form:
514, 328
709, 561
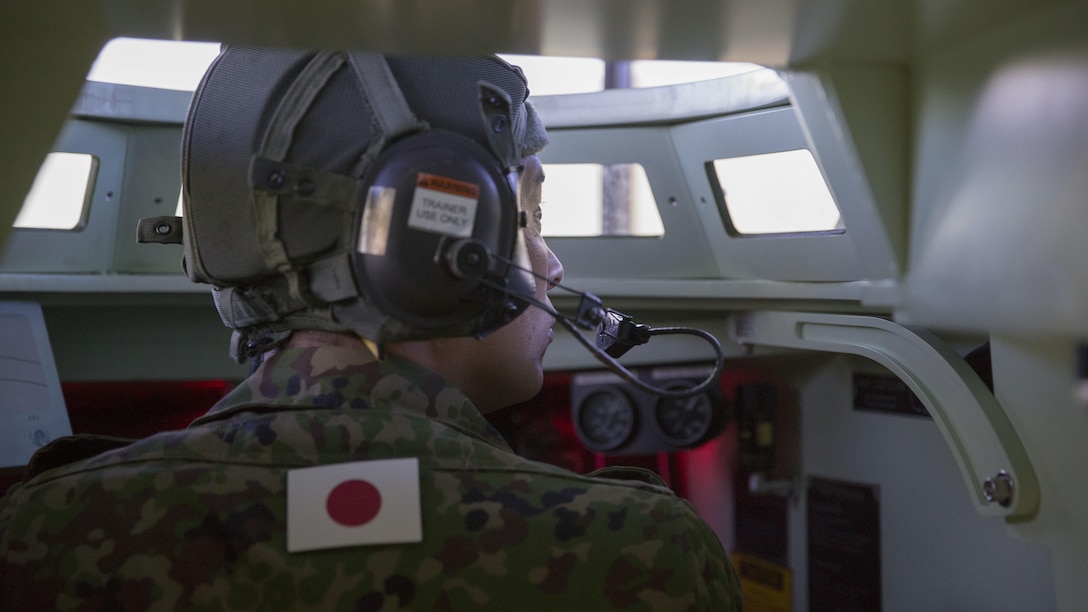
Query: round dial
605, 419
685, 421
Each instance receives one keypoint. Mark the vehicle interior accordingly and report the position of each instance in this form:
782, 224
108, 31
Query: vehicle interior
877, 208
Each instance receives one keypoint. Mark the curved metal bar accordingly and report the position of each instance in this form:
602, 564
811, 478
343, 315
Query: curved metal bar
992, 459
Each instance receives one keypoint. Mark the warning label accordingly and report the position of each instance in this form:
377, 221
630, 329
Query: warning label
767, 587
444, 206
448, 185
889, 394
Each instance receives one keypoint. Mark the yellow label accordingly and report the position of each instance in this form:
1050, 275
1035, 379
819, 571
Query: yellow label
764, 434
767, 587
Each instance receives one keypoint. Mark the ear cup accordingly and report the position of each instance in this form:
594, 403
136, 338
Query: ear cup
425, 196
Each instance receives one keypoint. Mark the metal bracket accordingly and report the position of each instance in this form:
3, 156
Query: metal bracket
976, 428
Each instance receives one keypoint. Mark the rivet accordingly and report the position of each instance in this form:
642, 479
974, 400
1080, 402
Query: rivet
277, 179
999, 489
163, 229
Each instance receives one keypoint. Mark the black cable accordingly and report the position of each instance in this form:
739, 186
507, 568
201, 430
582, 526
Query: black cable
621, 371
592, 314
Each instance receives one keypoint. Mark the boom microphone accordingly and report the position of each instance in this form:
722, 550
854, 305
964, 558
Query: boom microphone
616, 333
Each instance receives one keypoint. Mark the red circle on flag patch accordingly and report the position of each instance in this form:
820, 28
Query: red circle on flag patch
353, 502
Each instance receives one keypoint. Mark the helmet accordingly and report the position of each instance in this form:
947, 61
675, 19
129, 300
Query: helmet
357, 192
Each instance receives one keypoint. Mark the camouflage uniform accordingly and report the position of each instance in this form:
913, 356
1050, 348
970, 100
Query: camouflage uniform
196, 518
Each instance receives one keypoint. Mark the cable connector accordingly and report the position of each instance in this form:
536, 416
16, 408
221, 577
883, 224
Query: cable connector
618, 333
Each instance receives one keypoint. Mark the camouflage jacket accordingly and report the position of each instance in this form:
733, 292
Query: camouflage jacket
196, 519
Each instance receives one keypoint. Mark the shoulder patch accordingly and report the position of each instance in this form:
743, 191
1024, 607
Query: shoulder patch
354, 504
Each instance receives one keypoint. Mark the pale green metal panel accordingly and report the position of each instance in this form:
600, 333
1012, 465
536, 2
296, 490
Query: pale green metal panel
684, 250
999, 196
152, 185
696, 243
937, 553
131, 104
129, 326
744, 92
1036, 380
855, 118
135, 135
975, 426
787, 257
87, 249
155, 340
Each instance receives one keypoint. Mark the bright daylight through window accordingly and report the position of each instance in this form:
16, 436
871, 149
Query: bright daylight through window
58, 199
598, 200
775, 193
579, 199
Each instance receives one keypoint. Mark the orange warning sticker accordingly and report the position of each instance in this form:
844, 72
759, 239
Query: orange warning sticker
448, 185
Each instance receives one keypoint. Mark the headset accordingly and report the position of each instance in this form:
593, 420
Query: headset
418, 235
439, 234
316, 198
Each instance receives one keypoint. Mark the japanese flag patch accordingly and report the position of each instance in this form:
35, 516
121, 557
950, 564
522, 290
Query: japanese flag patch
353, 504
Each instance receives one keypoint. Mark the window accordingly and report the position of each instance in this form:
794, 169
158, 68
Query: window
774, 193
58, 199
170, 64
599, 200
165, 64
655, 73
582, 199
570, 75
560, 75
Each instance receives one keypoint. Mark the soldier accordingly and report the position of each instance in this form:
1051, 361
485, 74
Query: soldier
371, 228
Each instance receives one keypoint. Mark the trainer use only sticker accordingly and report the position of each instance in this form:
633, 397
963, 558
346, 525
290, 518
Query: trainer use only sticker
444, 206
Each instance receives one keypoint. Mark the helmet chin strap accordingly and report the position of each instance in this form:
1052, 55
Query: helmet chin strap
616, 333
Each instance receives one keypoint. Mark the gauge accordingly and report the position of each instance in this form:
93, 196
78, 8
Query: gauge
605, 419
685, 421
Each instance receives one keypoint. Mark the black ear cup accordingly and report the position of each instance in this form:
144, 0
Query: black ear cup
437, 225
